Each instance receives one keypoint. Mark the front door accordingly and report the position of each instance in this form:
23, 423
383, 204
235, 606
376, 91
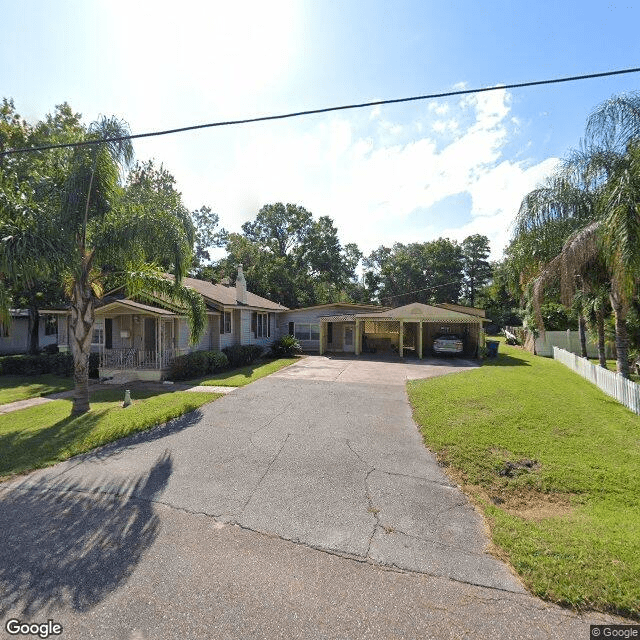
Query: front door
149, 334
348, 338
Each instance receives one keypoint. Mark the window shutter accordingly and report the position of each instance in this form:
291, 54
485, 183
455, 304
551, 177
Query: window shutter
291, 328
269, 315
221, 320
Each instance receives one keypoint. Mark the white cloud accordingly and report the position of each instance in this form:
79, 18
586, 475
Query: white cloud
371, 176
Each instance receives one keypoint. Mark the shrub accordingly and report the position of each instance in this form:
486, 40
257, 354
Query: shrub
51, 348
197, 364
240, 355
190, 365
286, 346
217, 361
60, 364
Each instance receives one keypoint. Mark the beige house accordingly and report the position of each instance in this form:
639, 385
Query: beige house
138, 340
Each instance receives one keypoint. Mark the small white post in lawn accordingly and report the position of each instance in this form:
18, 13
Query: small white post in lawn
127, 398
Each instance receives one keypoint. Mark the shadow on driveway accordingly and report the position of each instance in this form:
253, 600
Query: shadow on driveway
70, 545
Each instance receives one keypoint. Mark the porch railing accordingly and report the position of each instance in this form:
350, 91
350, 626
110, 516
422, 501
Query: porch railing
138, 359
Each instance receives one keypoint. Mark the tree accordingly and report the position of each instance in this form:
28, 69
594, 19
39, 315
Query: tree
429, 272
289, 256
91, 230
477, 270
605, 175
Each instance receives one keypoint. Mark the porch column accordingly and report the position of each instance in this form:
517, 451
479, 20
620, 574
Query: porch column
401, 340
420, 340
356, 337
159, 342
323, 329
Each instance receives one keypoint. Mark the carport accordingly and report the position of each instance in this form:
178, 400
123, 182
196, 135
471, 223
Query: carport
408, 329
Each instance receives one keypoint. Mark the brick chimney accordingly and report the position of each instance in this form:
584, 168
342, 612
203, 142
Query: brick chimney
241, 287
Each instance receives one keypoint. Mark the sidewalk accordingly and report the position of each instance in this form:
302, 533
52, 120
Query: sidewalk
34, 402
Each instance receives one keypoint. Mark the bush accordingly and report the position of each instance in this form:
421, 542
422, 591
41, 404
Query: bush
240, 355
60, 364
197, 364
51, 348
217, 361
287, 346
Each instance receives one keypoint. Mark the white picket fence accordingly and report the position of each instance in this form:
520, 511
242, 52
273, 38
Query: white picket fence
624, 391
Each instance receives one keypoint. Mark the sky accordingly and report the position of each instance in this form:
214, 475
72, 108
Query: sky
409, 172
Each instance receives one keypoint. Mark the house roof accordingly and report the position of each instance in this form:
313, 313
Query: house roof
410, 312
226, 295
472, 311
132, 306
347, 305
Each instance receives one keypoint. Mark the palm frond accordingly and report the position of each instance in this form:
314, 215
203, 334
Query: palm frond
615, 123
145, 278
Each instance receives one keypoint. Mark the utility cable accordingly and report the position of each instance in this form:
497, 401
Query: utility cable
297, 114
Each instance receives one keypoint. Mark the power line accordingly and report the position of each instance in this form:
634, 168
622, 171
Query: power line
297, 114
406, 293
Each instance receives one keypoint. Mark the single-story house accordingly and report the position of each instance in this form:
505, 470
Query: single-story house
138, 339
14, 337
411, 328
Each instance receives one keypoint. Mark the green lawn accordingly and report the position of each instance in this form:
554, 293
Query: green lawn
13, 388
566, 512
245, 375
43, 435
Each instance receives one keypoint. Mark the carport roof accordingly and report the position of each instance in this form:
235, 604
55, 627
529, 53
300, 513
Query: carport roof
411, 313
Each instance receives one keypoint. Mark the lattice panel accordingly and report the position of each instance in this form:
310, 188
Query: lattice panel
381, 326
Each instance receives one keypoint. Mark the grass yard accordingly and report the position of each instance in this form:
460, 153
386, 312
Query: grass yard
554, 464
245, 375
46, 434
14, 388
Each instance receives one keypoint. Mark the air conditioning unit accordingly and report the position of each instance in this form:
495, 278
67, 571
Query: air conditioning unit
125, 333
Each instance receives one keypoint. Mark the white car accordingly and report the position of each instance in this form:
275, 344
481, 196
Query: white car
448, 343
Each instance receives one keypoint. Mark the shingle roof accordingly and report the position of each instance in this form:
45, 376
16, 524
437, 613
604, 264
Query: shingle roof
134, 306
226, 295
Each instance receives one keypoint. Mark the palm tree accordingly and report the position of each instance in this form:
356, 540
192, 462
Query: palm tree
90, 230
597, 190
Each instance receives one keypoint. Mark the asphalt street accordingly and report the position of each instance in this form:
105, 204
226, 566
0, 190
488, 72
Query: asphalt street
301, 506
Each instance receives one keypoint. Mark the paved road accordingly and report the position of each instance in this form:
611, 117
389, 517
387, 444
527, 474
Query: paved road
303, 505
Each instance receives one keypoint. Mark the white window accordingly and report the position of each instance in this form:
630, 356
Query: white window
225, 322
306, 331
262, 325
50, 326
98, 334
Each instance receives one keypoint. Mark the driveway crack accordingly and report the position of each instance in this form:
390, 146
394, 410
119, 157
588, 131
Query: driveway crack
244, 506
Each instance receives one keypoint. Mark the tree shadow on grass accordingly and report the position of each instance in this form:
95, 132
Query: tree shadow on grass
504, 360
26, 450
68, 545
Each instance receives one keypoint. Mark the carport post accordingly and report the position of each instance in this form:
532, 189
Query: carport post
420, 340
357, 345
401, 340
323, 328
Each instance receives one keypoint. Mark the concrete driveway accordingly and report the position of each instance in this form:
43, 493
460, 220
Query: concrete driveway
374, 369
163, 534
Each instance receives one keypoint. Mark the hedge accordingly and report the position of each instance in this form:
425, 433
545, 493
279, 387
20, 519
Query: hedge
59, 364
197, 364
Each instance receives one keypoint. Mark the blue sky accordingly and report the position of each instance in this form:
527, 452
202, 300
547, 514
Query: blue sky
404, 173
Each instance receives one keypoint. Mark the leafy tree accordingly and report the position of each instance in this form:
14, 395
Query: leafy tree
477, 270
290, 257
83, 230
428, 272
